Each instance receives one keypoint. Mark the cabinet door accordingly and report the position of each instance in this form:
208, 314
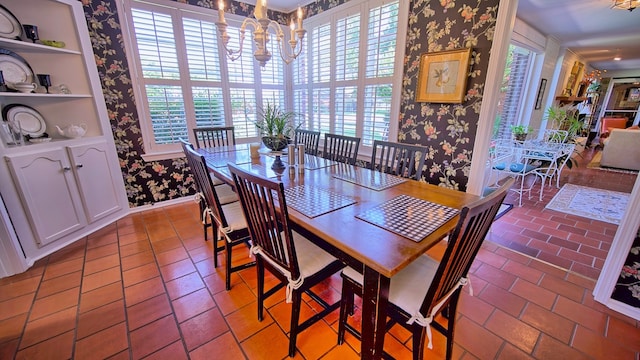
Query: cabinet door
96, 180
49, 194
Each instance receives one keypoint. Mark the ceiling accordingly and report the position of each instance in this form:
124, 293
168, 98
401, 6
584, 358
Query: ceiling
590, 28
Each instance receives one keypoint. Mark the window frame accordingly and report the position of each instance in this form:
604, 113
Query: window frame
362, 82
156, 151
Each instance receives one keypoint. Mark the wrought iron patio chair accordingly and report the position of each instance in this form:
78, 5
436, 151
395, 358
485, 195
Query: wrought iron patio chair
519, 162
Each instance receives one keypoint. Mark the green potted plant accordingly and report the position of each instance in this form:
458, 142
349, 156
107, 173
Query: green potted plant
564, 118
276, 126
520, 132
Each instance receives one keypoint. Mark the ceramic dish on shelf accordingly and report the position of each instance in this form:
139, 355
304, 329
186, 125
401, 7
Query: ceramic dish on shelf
39, 140
9, 26
14, 67
31, 122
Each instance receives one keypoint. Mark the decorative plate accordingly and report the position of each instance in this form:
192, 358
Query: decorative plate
31, 122
9, 26
14, 67
39, 140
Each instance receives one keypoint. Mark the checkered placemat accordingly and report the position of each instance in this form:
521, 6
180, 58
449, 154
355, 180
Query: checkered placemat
370, 179
407, 216
312, 201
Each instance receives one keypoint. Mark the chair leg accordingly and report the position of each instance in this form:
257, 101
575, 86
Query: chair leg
205, 224
346, 309
260, 267
419, 334
215, 241
227, 250
543, 178
451, 323
295, 318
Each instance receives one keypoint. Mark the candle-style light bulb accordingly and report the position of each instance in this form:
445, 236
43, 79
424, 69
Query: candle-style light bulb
261, 9
293, 33
221, 11
299, 18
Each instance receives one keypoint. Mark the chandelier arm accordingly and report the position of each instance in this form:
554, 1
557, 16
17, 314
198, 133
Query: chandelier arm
287, 55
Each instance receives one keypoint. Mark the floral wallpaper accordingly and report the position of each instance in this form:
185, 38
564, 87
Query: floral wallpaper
447, 130
627, 289
145, 182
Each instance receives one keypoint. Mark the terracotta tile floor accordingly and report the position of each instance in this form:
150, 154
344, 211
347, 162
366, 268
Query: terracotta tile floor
570, 242
145, 287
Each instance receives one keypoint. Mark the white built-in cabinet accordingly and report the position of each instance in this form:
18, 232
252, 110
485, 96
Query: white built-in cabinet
60, 191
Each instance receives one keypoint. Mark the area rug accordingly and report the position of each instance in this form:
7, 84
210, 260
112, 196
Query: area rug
597, 204
504, 208
595, 164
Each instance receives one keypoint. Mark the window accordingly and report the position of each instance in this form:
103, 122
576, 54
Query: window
516, 73
185, 80
343, 81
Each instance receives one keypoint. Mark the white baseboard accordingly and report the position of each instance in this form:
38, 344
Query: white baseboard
160, 204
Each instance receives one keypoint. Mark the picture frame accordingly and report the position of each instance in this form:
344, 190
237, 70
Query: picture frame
543, 86
442, 77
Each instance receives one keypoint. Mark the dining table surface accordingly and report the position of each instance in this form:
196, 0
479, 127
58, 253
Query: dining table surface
374, 222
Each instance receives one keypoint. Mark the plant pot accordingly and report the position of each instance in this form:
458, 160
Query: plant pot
275, 143
520, 137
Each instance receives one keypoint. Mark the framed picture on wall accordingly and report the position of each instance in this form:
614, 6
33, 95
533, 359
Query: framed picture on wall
543, 85
443, 76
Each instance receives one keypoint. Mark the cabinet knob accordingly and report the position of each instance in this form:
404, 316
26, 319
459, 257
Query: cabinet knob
66, 168
78, 166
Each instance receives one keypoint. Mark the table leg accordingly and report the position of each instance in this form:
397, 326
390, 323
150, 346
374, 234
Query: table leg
374, 303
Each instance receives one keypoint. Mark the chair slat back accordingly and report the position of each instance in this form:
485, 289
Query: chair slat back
214, 136
341, 148
310, 139
265, 209
198, 165
398, 159
463, 245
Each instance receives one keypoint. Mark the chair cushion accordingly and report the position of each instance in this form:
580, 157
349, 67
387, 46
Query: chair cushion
500, 166
407, 288
215, 180
234, 216
521, 168
311, 258
226, 194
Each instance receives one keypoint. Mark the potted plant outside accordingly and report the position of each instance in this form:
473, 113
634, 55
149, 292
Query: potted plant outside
564, 118
275, 126
520, 132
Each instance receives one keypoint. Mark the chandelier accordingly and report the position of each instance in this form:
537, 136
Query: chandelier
626, 4
261, 35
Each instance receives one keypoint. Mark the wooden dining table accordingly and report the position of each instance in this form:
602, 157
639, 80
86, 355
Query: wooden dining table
374, 222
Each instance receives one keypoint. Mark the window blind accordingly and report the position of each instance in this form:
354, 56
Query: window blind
156, 44
347, 47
